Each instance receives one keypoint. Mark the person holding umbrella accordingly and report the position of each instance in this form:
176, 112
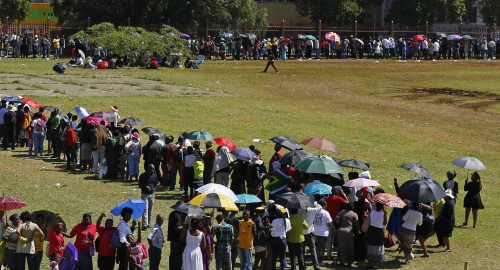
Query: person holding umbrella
472, 199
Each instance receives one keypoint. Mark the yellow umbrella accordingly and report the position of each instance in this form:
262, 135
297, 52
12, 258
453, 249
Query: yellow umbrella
214, 200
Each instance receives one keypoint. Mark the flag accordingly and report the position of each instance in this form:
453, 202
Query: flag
279, 182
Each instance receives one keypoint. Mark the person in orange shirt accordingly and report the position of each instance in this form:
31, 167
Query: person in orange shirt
247, 230
277, 156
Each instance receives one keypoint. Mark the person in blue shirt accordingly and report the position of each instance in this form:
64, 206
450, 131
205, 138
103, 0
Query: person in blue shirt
403, 49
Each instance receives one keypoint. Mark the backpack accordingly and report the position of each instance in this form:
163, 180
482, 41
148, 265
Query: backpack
39, 125
115, 239
178, 154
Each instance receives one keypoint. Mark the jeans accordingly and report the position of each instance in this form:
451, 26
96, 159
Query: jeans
173, 175
98, 156
310, 242
133, 163
370, 53
69, 157
296, 253
56, 53
403, 55
320, 246
46, 51
61, 52
223, 259
150, 201
38, 138
39, 255
245, 258
154, 258
490, 53
84, 261
278, 245
207, 175
32, 261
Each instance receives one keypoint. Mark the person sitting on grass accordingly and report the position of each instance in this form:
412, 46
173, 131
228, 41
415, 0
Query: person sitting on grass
137, 250
119, 62
53, 262
89, 63
190, 64
153, 64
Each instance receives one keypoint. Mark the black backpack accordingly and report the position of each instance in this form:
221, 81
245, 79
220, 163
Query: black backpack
178, 154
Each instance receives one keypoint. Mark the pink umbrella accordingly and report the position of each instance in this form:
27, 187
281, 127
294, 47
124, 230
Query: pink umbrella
95, 120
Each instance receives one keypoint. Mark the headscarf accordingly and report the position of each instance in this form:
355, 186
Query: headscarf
222, 160
13, 217
362, 193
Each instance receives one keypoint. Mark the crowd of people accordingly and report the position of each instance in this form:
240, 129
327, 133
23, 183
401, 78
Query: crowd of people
348, 222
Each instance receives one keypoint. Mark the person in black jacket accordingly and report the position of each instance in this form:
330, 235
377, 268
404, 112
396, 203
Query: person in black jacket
451, 184
174, 237
9, 131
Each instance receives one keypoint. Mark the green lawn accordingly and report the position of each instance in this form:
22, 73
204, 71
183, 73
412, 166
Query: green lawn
386, 113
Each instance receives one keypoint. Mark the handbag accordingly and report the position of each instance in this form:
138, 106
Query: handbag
366, 223
389, 241
429, 218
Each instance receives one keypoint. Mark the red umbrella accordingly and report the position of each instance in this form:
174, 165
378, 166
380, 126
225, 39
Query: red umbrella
286, 40
31, 102
11, 203
322, 144
225, 142
95, 120
389, 200
332, 36
419, 37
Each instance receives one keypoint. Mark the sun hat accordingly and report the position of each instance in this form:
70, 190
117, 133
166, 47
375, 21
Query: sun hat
135, 135
114, 108
449, 193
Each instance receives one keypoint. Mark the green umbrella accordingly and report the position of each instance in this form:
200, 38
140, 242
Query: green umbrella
319, 165
200, 135
310, 37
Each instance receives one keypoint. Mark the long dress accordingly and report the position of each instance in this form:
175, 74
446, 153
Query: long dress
192, 259
348, 226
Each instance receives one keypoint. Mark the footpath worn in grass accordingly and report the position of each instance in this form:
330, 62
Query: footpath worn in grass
386, 113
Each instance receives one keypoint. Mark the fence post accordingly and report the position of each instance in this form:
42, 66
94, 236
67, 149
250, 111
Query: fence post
355, 29
319, 29
128, 21
246, 27
88, 21
392, 29
47, 30
283, 28
427, 29
461, 28
206, 30
494, 31
7, 23
168, 21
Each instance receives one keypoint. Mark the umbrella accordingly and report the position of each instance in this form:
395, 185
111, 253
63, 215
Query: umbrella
332, 36
294, 201
96, 120
419, 37
251, 36
60, 67
318, 164
388, 199
294, 157
358, 40
188, 209
81, 112
286, 40
361, 182
226, 35
80, 52
421, 190
49, 218
318, 189
13, 100
467, 37
11, 203
151, 131
439, 35
286, 142
200, 135
247, 198
70, 258
185, 36
338, 160
243, 36
214, 200
454, 36
31, 102
135, 34
353, 163
137, 205
469, 163
50, 108
310, 37
133, 121
300, 36
217, 188
416, 168
101, 114
225, 142
321, 144
243, 153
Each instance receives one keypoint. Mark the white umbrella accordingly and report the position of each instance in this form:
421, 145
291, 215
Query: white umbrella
469, 163
81, 54
216, 188
81, 112
361, 182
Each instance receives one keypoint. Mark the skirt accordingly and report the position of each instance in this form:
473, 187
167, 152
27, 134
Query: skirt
406, 238
86, 151
375, 251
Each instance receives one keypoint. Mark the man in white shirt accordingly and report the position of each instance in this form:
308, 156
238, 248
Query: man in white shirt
322, 222
491, 49
385, 48
435, 51
309, 214
424, 48
155, 241
124, 230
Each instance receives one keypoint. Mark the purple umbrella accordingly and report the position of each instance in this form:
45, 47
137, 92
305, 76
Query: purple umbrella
185, 36
452, 37
70, 259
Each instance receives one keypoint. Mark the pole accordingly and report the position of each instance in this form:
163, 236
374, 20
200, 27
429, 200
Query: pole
88, 21
356, 29
246, 26
283, 28
319, 29
7, 23
392, 28
461, 28
206, 30
128, 21
426, 29
47, 30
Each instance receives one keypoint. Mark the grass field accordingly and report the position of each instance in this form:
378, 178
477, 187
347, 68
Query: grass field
386, 113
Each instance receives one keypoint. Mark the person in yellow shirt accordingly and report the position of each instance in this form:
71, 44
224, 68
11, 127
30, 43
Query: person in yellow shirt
437, 230
245, 240
38, 238
56, 45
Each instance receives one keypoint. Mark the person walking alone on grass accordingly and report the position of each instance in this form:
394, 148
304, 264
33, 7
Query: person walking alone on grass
155, 241
147, 183
270, 62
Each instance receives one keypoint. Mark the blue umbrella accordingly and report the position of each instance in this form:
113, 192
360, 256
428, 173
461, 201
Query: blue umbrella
226, 35
318, 189
13, 100
243, 153
69, 261
81, 112
137, 205
247, 198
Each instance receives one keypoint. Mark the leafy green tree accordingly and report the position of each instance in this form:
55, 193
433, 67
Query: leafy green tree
490, 11
418, 12
14, 10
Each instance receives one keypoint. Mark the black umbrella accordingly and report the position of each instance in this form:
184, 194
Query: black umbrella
60, 68
421, 190
102, 114
439, 35
338, 160
353, 163
132, 121
188, 209
294, 157
286, 142
278, 139
152, 131
300, 36
417, 168
50, 108
294, 201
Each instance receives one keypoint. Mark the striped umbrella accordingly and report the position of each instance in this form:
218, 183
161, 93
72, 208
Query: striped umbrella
214, 200
81, 112
11, 203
